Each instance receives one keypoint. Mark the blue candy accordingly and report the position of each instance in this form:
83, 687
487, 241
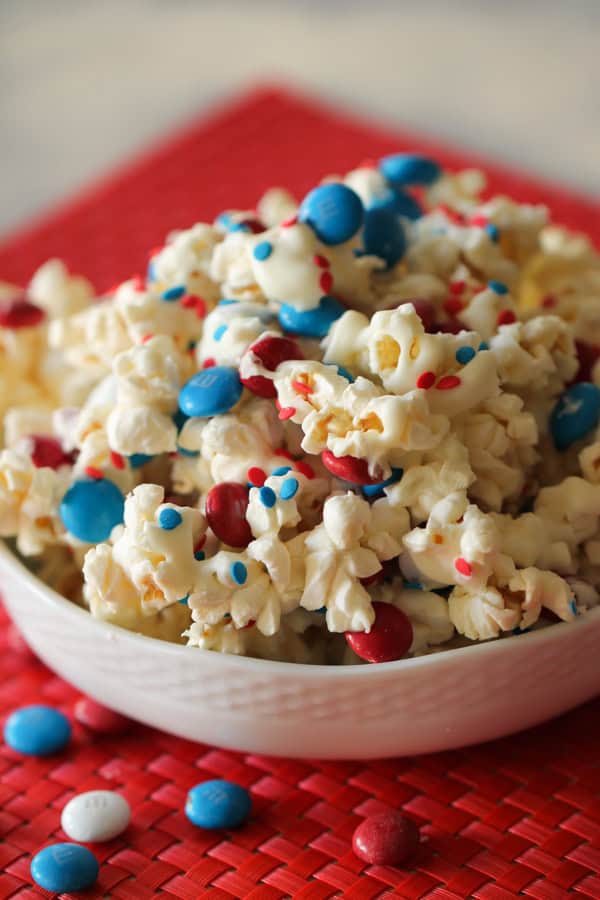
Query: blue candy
497, 287
211, 392
376, 490
408, 168
384, 236
575, 415
169, 518
37, 730
464, 355
311, 322
91, 508
334, 212
398, 202
137, 460
64, 868
289, 489
218, 804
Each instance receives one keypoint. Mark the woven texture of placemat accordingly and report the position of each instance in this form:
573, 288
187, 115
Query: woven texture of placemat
516, 817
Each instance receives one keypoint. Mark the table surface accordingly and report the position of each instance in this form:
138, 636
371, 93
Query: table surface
85, 84
515, 817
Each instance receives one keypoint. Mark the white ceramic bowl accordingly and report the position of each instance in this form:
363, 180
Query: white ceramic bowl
349, 712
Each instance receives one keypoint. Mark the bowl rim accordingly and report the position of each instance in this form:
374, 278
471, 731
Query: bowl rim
553, 633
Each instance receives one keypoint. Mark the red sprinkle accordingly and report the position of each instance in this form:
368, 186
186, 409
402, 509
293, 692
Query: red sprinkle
447, 383
20, 313
451, 214
321, 261
47, 452
481, 221
302, 388
305, 469
453, 305
463, 567
93, 472
146, 338
286, 412
326, 282
285, 453
506, 317
287, 223
209, 363
117, 460
457, 287
249, 624
426, 380
256, 476
100, 718
191, 301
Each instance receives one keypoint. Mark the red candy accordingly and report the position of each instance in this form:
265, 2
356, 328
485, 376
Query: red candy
390, 636
386, 839
349, 468
587, 354
48, 453
271, 351
451, 326
226, 505
100, 718
424, 309
20, 313
506, 317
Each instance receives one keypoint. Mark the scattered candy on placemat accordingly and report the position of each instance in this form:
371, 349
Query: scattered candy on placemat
37, 730
218, 804
95, 816
387, 839
99, 718
64, 868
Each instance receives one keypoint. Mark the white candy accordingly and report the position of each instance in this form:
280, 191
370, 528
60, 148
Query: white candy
95, 816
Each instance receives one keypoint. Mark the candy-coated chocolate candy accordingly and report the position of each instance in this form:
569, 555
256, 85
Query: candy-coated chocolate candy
372, 491
47, 452
218, 804
334, 212
386, 839
64, 868
311, 322
37, 730
383, 236
588, 355
349, 468
576, 414
271, 351
390, 636
450, 326
100, 718
398, 202
91, 508
226, 505
211, 392
425, 310
20, 313
409, 168
95, 816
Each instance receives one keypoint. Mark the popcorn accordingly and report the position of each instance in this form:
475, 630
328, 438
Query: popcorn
391, 414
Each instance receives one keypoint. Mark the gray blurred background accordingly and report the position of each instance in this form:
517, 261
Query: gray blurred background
85, 84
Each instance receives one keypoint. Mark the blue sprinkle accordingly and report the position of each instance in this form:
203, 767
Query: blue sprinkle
218, 804
179, 419
200, 555
497, 287
483, 346
267, 497
464, 355
372, 491
263, 251
64, 868
185, 452
409, 168
289, 489
345, 373
238, 572
322, 610
184, 599
412, 586
169, 518
37, 730
225, 302
173, 293
573, 607
282, 470
219, 332
493, 231
334, 212
137, 460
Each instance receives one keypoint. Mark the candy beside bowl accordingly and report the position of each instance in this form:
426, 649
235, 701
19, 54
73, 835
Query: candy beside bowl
420, 705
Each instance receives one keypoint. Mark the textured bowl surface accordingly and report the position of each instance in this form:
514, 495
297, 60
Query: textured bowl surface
413, 706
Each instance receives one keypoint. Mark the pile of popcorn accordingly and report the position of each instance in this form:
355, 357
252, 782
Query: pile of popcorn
359, 428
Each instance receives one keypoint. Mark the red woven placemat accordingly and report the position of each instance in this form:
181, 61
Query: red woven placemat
515, 817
